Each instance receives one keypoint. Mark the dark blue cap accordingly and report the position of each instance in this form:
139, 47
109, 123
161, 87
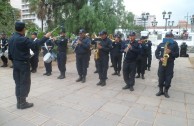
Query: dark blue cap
118, 36
82, 31
34, 33
169, 34
103, 32
19, 26
132, 34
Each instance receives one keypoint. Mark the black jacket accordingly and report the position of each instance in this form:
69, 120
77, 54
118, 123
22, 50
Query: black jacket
116, 48
132, 54
19, 47
106, 47
61, 44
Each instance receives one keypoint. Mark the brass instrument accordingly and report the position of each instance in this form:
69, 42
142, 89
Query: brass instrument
165, 55
111, 37
96, 52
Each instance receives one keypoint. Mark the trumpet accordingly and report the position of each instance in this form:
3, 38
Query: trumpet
76, 43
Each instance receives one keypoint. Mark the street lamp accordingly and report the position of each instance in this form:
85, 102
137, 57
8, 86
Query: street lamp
144, 17
192, 23
154, 24
170, 24
166, 18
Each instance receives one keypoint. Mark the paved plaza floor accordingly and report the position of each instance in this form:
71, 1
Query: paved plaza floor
68, 103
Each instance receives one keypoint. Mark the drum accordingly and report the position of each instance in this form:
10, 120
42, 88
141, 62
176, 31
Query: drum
47, 58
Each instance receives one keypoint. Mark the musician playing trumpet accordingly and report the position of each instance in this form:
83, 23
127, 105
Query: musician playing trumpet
166, 52
82, 49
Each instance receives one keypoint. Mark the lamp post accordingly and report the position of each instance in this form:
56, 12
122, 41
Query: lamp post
166, 17
154, 24
192, 23
144, 18
170, 24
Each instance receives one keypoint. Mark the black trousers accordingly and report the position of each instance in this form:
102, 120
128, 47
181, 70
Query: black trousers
129, 71
96, 64
21, 75
61, 61
141, 65
4, 59
165, 74
149, 60
117, 60
34, 62
82, 64
102, 65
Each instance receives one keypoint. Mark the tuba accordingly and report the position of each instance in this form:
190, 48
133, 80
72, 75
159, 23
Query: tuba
165, 55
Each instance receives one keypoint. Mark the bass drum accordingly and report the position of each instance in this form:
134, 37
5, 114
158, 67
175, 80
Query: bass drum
47, 58
31, 53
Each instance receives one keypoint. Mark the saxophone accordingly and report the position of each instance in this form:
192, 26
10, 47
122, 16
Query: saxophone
96, 52
165, 55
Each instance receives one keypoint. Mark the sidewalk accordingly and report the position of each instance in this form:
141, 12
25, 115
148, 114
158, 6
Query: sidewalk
67, 103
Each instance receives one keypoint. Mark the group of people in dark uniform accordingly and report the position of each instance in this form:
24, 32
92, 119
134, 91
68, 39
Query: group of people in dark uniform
135, 55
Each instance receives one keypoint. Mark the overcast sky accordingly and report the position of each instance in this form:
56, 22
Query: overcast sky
179, 8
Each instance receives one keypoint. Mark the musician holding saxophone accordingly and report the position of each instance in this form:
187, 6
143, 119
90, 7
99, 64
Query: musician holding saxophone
166, 52
129, 63
82, 47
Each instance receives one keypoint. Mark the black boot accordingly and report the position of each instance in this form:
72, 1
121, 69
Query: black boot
126, 87
62, 76
83, 79
99, 83
23, 104
79, 79
131, 88
4, 65
96, 71
18, 103
142, 76
160, 92
115, 73
166, 93
48, 74
103, 83
138, 76
148, 68
118, 73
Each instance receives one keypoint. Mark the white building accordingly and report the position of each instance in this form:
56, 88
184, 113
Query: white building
26, 16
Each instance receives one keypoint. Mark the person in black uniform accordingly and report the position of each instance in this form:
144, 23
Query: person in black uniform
19, 53
62, 54
4, 45
48, 47
129, 64
117, 54
165, 73
141, 60
104, 49
34, 59
149, 53
82, 46
183, 50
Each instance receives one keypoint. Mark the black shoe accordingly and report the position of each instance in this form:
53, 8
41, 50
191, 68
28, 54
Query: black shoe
103, 83
99, 83
131, 88
23, 104
126, 87
48, 74
79, 79
160, 92
61, 77
11, 66
96, 71
115, 73
45, 73
166, 93
33, 71
138, 76
111, 66
83, 79
148, 68
142, 76
118, 74
4, 65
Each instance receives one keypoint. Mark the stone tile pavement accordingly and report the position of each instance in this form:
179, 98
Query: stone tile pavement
67, 103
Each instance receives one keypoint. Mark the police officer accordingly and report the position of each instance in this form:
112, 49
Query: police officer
104, 49
4, 44
149, 53
129, 64
62, 54
183, 50
82, 46
34, 59
19, 52
165, 73
117, 54
141, 60
48, 47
